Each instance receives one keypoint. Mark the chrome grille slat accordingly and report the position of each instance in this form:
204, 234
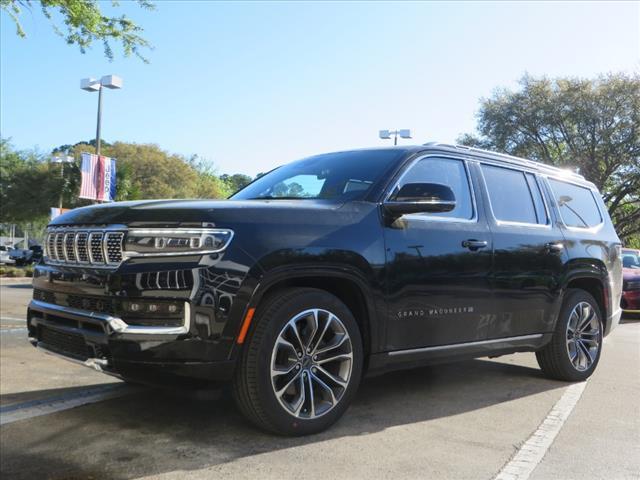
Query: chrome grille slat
113, 247
82, 239
84, 246
51, 246
59, 246
69, 247
96, 252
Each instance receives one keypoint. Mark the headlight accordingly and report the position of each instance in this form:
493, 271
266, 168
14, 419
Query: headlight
175, 241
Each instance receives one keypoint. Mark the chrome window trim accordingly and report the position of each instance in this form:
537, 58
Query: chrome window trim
426, 217
116, 324
506, 223
593, 229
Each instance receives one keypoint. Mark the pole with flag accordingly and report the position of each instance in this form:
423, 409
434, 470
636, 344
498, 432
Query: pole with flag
98, 178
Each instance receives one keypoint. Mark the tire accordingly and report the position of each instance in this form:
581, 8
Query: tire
573, 354
276, 403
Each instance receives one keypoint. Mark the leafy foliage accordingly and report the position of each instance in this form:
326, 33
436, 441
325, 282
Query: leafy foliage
85, 23
592, 125
236, 182
30, 185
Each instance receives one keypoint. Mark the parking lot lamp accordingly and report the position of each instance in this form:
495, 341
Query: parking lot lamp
92, 85
386, 134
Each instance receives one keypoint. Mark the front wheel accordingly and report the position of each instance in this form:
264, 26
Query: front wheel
574, 352
302, 365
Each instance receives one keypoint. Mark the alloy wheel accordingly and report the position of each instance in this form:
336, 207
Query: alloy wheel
583, 336
311, 363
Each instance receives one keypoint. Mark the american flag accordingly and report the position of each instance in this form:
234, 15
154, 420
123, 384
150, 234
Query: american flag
98, 177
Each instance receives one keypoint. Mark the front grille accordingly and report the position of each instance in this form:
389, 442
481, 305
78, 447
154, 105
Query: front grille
44, 296
93, 304
69, 344
169, 280
631, 285
94, 247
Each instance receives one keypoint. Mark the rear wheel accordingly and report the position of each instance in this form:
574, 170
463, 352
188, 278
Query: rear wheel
302, 364
574, 352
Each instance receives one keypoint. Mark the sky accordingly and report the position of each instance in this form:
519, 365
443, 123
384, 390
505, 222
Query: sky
252, 85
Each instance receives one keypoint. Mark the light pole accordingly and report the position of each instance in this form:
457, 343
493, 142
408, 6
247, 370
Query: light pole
62, 159
386, 134
92, 85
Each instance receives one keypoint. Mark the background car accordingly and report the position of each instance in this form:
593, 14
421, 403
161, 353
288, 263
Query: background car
631, 281
25, 256
5, 257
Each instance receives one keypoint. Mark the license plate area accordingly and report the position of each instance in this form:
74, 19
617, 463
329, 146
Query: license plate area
65, 343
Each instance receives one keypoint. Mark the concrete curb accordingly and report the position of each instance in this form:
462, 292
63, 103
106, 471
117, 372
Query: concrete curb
15, 280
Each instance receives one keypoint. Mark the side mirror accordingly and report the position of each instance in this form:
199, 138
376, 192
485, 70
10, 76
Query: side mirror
421, 198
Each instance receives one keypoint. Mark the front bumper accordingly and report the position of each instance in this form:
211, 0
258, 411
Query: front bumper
108, 344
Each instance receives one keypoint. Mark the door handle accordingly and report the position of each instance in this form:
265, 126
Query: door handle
474, 244
554, 246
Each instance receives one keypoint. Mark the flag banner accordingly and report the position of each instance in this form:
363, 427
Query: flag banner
98, 177
56, 212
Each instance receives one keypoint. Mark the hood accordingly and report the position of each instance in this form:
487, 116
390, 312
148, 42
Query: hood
173, 213
631, 274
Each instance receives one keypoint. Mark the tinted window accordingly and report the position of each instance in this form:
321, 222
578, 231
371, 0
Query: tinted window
510, 195
339, 176
445, 171
577, 205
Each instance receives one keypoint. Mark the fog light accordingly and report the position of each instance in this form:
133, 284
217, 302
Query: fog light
134, 307
152, 307
173, 308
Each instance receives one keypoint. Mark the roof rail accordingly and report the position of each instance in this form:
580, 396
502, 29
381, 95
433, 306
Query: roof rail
509, 158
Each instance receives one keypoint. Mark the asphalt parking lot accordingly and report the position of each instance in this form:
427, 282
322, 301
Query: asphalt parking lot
467, 420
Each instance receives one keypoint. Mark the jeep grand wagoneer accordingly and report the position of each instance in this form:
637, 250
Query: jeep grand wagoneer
331, 267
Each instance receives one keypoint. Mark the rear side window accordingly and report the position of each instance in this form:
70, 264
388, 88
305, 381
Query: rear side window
514, 195
445, 171
578, 207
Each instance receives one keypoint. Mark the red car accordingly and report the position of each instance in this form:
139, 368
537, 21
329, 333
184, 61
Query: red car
631, 280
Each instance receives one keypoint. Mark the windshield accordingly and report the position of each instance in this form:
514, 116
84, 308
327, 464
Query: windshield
335, 176
630, 259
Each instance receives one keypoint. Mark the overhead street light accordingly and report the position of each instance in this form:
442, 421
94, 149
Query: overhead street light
61, 159
112, 82
403, 133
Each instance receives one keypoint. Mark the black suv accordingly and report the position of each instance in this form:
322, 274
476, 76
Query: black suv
331, 267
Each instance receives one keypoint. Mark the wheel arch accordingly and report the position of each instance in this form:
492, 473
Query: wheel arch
594, 284
348, 286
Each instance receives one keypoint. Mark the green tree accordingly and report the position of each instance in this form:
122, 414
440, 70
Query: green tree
589, 124
30, 184
236, 181
84, 23
145, 171
25, 185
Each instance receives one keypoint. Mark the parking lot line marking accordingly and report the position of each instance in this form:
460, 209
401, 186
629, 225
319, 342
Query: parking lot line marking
531, 453
14, 319
13, 330
46, 406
